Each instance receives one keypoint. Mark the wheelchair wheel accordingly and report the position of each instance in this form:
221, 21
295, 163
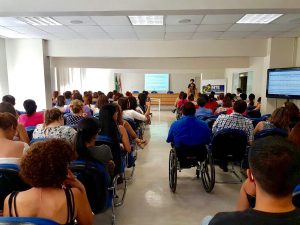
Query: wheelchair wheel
208, 173
172, 170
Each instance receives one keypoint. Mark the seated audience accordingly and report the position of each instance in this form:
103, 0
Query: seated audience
239, 91
55, 194
182, 101
31, 118
273, 174
95, 97
54, 97
189, 130
294, 113
235, 121
142, 107
258, 104
10, 99
251, 104
85, 144
279, 119
86, 109
11, 151
243, 96
203, 112
191, 98
295, 134
128, 94
54, 127
110, 96
21, 134
220, 99
132, 114
211, 103
226, 107
77, 113
60, 104
147, 96
68, 97
101, 101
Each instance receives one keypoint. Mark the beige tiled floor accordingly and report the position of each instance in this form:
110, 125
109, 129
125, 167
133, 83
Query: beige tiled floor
149, 201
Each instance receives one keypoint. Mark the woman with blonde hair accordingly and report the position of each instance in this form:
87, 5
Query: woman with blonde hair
77, 112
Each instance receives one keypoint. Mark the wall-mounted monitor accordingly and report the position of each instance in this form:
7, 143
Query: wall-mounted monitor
158, 82
283, 83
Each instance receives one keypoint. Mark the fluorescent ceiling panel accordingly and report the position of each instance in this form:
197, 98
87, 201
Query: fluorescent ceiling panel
40, 21
147, 20
259, 18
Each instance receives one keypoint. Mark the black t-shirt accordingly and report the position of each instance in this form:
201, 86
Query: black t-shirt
254, 217
192, 86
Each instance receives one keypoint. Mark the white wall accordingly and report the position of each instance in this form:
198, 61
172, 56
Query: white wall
3, 70
25, 68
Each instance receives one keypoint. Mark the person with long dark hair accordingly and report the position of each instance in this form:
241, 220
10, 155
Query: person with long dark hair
85, 144
142, 103
32, 117
128, 112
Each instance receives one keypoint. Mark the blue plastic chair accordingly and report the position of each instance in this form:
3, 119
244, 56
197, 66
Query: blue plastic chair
271, 132
296, 197
34, 140
135, 92
26, 221
29, 131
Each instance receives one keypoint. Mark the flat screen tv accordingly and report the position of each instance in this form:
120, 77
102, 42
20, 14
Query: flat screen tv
284, 83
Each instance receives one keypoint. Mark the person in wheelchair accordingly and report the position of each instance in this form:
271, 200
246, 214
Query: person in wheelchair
189, 131
273, 205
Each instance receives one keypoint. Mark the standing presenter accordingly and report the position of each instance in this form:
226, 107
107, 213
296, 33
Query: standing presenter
192, 89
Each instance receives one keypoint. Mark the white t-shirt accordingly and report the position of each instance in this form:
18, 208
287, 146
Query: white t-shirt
132, 114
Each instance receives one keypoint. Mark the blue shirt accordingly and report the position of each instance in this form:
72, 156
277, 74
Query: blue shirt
203, 112
189, 130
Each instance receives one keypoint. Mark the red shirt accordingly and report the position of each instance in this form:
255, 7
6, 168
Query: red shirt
211, 105
33, 120
181, 103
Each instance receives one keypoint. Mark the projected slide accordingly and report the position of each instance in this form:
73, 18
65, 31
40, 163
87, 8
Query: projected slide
157, 82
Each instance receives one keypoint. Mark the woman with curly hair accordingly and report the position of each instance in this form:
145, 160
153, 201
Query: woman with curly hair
55, 194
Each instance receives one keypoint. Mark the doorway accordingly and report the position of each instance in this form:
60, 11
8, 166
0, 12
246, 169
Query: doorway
243, 81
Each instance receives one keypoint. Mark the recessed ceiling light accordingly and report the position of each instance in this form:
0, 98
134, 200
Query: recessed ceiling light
76, 21
259, 18
147, 20
40, 21
185, 21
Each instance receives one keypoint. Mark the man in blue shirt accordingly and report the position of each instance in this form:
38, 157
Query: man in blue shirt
203, 112
189, 130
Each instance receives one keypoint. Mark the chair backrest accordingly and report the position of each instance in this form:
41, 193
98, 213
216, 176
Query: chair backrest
135, 92
190, 155
37, 140
10, 181
254, 114
229, 145
210, 122
265, 117
271, 132
29, 131
26, 221
255, 121
170, 92
96, 181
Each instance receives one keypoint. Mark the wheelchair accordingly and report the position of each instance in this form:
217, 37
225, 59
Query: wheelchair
26, 221
100, 188
10, 181
185, 157
230, 146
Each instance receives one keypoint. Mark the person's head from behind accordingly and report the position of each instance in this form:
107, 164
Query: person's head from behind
202, 101
259, 100
46, 163
110, 95
95, 95
295, 134
108, 121
188, 109
240, 106
142, 99
30, 107
275, 165
184, 96
7, 107
101, 101
239, 91
9, 98
293, 111
68, 94
76, 106
61, 101
180, 94
54, 115
77, 96
280, 118
211, 98
55, 94
227, 102
8, 125
191, 98
251, 99
221, 96
128, 94
243, 96
86, 136
88, 99
146, 93
132, 102
119, 113
192, 81
124, 103
117, 96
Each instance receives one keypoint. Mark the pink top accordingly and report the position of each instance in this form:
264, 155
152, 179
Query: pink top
33, 120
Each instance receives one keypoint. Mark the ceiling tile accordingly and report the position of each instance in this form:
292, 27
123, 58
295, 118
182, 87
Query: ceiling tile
28, 30
235, 34
246, 27
289, 18
68, 35
151, 36
174, 20
54, 29
178, 36
181, 28
207, 35
66, 20
157, 29
7, 30
279, 27
264, 34
95, 35
119, 29
290, 34
111, 20
123, 35
215, 27
86, 28
11, 21
221, 19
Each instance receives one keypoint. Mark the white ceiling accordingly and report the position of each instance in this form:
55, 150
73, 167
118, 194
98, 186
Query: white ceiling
119, 28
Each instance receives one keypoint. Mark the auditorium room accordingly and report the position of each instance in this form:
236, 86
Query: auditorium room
130, 112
